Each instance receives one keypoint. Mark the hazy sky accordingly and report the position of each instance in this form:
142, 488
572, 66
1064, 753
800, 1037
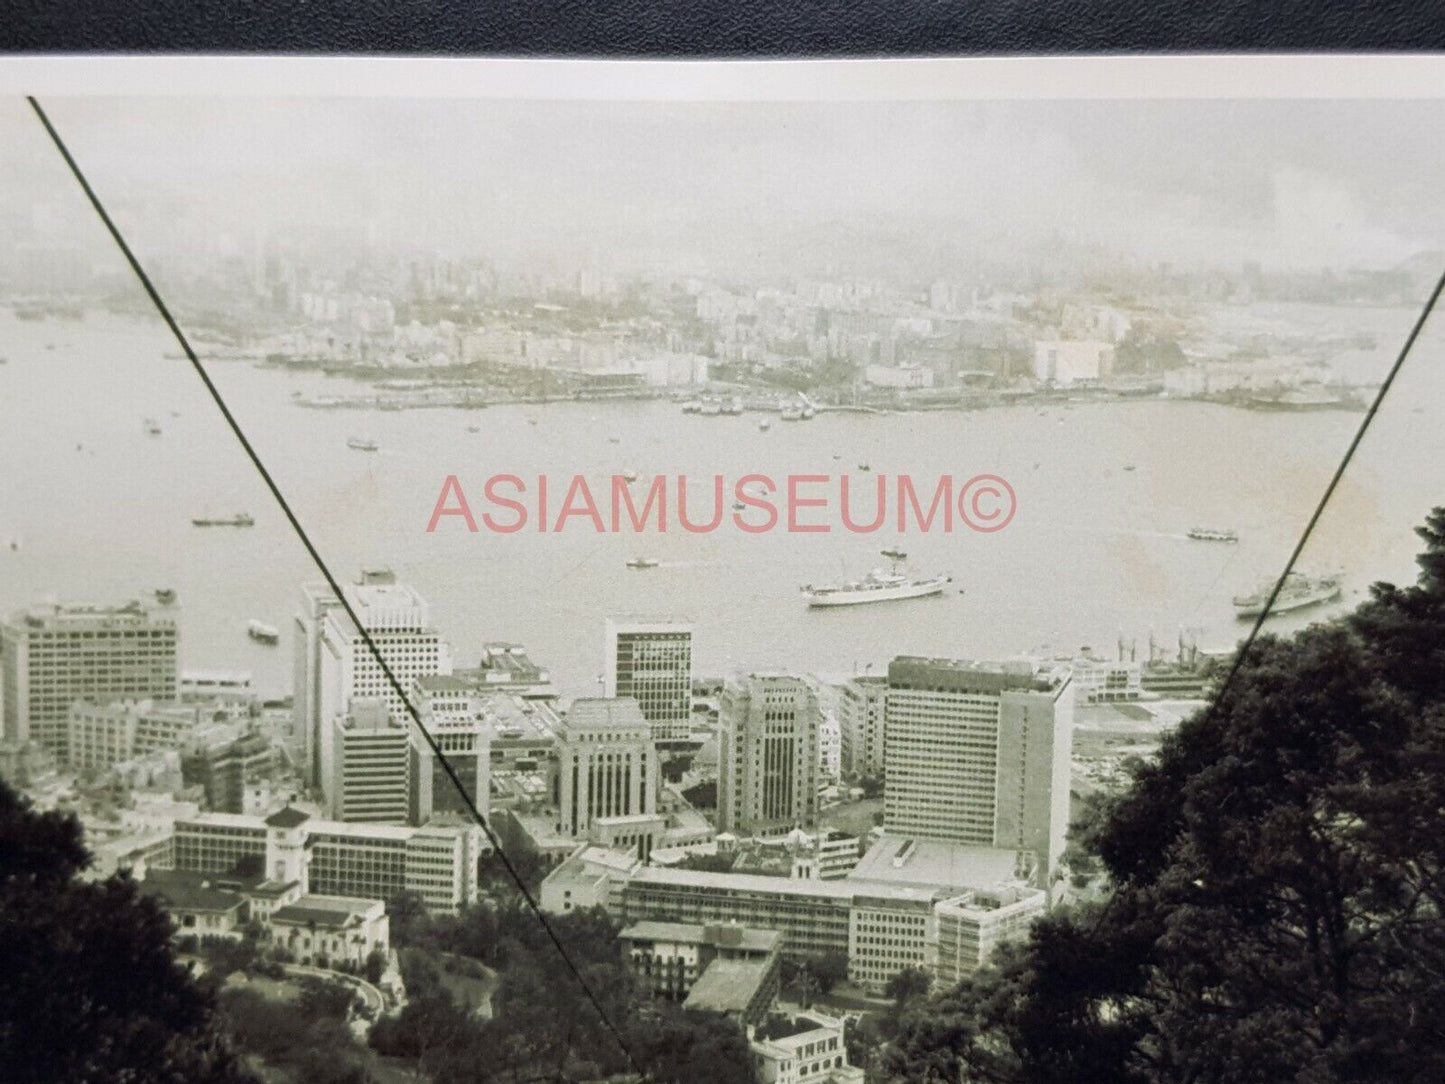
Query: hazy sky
1290, 184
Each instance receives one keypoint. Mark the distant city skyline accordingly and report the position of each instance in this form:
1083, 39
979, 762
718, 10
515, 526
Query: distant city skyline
732, 188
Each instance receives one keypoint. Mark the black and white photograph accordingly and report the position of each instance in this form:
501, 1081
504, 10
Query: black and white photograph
769, 573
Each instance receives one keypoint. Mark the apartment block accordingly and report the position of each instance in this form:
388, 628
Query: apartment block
52, 656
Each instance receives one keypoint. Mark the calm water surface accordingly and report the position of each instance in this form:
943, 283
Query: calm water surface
101, 511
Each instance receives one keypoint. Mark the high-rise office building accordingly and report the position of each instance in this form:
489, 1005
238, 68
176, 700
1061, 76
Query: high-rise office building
457, 711
860, 708
606, 765
51, 656
651, 662
767, 754
335, 666
978, 753
370, 762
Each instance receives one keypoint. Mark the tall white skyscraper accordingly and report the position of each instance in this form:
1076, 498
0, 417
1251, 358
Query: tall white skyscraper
767, 754
337, 667
651, 662
606, 764
978, 753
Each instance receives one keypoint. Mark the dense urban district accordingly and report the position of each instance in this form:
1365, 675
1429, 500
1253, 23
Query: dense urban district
430, 332
907, 875
1071, 868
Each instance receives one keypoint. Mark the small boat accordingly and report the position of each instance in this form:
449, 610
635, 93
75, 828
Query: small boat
240, 519
732, 406
261, 632
808, 413
792, 414
643, 562
152, 427
629, 475
1128, 466
360, 444
739, 506
692, 406
764, 425
865, 466
613, 440
531, 421
710, 408
1213, 534
165, 595
474, 429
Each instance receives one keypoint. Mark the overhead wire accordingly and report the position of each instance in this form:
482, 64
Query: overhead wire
159, 303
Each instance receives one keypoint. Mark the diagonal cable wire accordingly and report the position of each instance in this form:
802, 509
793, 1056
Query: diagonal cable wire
1239, 656
325, 570
1329, 492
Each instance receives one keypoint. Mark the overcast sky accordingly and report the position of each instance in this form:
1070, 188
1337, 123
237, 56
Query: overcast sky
1287, 183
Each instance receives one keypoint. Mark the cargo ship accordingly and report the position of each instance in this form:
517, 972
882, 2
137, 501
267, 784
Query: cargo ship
1213, 534
880, 585
1299, 590
240, 519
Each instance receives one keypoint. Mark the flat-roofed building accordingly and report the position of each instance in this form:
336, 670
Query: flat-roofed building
334, 664
606, 765
589, 877
370, 765
370, 861
650, 660
767, 754
979, 753
51, 656
667, 958
860, 708
807, 1048
971, 926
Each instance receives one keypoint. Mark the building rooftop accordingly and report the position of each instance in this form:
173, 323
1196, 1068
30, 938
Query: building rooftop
184, 890
599, 713
842, 889
899, 859
742, 938
966, 675
333, 911
728, 986
786, 1037
290, 817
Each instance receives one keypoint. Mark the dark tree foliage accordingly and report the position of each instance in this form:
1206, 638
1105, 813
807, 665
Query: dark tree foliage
1279, 880
90, 990
543, 1025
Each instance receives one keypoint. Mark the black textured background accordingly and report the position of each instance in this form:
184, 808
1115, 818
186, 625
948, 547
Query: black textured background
718, 27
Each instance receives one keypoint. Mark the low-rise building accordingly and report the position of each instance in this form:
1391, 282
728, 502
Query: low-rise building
330, 930
804, 1049
667, 958
590, 877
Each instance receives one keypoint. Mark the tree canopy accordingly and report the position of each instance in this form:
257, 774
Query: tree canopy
1276, 912
92, 991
